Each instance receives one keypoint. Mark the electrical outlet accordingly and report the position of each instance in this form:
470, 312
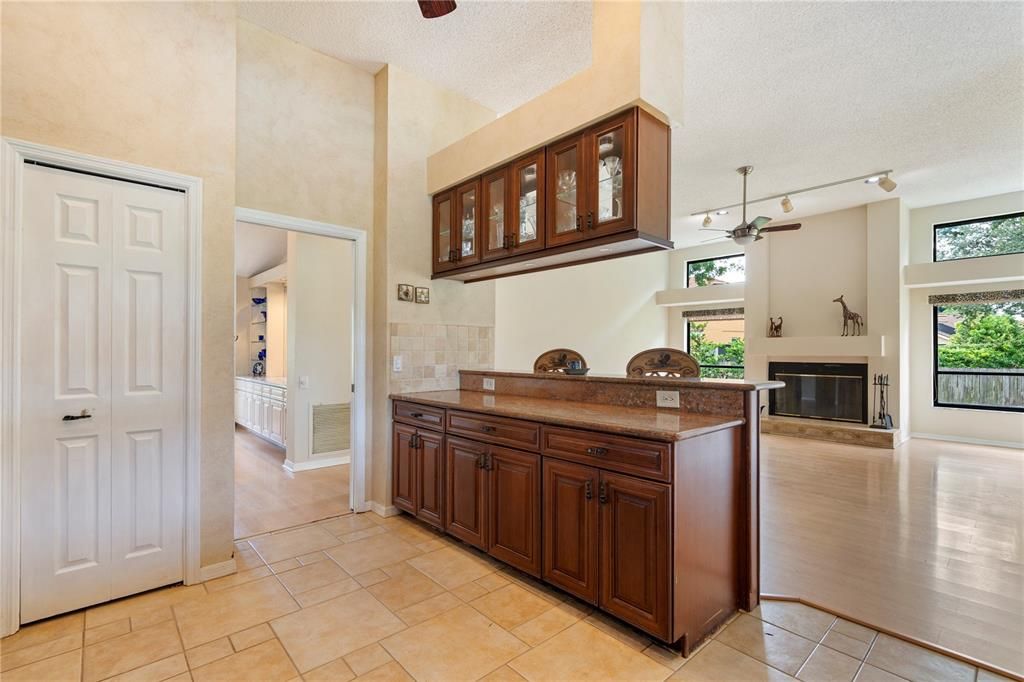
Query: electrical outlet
668, 398
396, 363
488, 383
303, 382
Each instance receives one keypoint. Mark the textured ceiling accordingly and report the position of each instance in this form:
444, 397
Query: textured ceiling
499, 54
258, 248
813, 92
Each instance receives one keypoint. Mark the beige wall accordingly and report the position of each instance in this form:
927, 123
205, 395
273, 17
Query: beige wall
243, 315
151, 84
604, 310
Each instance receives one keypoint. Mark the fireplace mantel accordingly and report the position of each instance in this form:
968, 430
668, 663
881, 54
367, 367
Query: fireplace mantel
818, 346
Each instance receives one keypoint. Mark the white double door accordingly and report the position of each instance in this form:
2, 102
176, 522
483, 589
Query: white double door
102, 345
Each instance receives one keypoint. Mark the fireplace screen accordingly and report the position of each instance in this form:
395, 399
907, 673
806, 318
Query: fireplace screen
820, 390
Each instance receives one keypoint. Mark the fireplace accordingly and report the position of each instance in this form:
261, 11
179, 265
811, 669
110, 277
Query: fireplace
820, 390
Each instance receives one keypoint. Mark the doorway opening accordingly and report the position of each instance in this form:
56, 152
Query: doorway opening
297, 333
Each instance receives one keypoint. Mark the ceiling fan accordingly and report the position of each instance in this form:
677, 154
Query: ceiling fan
748, 233
432, 9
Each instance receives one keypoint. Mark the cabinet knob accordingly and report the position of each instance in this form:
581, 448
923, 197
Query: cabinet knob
589, 490
590, 220
579, 223
487, 428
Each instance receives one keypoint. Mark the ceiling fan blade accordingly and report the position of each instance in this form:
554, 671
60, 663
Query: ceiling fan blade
712, 229
759, 221
713, 239
432, 9
781, 228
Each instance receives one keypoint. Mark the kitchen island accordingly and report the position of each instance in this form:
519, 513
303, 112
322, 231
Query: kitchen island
650, 514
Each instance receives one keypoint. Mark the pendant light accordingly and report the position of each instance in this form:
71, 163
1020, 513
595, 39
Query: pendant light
887, 183
787, 205
707, 220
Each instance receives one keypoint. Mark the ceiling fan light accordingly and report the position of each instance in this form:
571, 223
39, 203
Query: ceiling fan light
887, 183
745, 239
707, 220
787, 205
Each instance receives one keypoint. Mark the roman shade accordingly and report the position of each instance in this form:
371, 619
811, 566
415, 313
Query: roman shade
1002, 296
713, 314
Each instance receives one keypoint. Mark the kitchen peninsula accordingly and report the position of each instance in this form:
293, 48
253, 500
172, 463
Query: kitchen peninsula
650, 514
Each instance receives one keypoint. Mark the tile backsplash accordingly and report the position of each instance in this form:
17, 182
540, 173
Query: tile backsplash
433, 354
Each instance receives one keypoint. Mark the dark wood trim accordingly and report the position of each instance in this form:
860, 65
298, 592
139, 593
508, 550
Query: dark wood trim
653, 176
751, 528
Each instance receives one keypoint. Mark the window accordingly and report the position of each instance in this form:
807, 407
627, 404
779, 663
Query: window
979, 356
718, 347
711, 271
976, 238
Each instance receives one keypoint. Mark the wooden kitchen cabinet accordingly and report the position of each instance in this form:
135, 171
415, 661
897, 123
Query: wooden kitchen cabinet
403, 464
430, 478
527, 203
466, 491
513, 507
571, 527
443, 220
495, 195
567, 191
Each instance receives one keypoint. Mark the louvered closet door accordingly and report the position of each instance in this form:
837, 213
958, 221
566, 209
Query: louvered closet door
102, 330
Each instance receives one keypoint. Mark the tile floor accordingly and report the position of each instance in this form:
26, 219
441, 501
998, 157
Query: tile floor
367, 598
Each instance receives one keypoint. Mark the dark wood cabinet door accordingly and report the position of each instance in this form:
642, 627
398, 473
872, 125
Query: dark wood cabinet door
465, 505
403, 467
467, 224
527, 208
635, 532
514, 506
571, 527
443, 231
430, 478
610, 155
565, 171
498, 239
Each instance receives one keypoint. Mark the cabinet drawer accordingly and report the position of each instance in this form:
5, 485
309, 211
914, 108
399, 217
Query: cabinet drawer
616, 453
500, 430
278, 393
421, 415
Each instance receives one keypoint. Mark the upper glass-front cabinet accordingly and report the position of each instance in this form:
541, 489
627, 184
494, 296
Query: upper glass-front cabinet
528, 206
444, 256
567, 191
467, 223
498, 229
611, 159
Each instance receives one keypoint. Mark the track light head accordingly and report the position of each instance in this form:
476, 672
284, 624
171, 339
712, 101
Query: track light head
707, 220
887, 183
787, 205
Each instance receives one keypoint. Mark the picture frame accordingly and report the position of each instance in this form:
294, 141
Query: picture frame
405, 292
422, 294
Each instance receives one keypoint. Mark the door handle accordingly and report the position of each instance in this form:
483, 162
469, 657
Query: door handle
602, 495
589, 490
590, 220
488, 462
579, 223
480, 461
414, 442
75, 417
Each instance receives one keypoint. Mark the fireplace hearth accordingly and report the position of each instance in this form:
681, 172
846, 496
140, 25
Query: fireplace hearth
835, 391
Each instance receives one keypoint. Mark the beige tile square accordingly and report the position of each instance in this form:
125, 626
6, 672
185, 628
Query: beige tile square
312, 558
869, 673
761, 640
510, 606
796, 617
232, 610
266, 661
469, 592
360, 534
986, 676
247, 558
349, 524
142, 604
581, 652
151, 616
854, 630
437, 649
285, 565
502, 674
312, 576
322, 594
43, 631
64, 668
429, 608
321, 633
719, 663
335, 671
405, 587
209, 652
390, 672
368, 658
37, 652
292, 543
371, 577
492, 582
251, 637
828, 665
545, 626
115, 629
163, 669
184, 677
667, 657
452, 566
914, 662
124, 653
373, 552
620, 631
237, 578
847, 645
431, 545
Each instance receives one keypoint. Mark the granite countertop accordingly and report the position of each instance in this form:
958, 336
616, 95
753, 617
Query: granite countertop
643, 422
720, 384
272, 381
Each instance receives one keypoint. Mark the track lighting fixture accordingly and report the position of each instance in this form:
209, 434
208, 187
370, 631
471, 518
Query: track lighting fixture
787, 205
887, 183
707, 220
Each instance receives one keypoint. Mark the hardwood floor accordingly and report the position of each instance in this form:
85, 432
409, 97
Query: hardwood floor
269, 498
925, 540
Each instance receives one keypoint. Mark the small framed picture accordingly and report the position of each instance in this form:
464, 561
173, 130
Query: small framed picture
422, 295
404, 292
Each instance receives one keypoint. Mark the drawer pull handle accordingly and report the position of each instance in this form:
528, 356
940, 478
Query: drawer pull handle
486, 428
416, 415
597, 452
589, 490
602, 494
480, 461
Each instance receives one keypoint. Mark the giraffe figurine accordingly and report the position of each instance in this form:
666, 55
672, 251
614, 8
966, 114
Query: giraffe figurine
850, 317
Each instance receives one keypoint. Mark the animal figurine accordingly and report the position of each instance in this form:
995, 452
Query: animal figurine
850, 318
774, 328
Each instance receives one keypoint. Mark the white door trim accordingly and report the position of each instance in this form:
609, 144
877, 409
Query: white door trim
13, 154
360, 402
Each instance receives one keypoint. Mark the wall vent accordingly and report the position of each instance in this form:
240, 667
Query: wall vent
331, 428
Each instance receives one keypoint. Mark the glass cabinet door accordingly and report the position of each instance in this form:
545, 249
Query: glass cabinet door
467, 225
444, 256
527, 222
610, 176
566, 190
499, 240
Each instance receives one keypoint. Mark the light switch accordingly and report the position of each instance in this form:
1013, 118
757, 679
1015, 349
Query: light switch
668, 398
488, 383
303, 382
396, 363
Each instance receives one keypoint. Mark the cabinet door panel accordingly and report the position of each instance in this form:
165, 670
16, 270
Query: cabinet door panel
566, 196
514, 502
465, 504
467, 224
403, 463
611, 176
571, 528
430, 478
527, 212
498, 233
635, 531
444, 211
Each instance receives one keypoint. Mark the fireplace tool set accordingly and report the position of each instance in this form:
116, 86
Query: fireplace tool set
880, 402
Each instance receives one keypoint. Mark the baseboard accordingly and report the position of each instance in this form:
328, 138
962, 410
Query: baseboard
970, 441
218, 570
380, 510
294, 467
